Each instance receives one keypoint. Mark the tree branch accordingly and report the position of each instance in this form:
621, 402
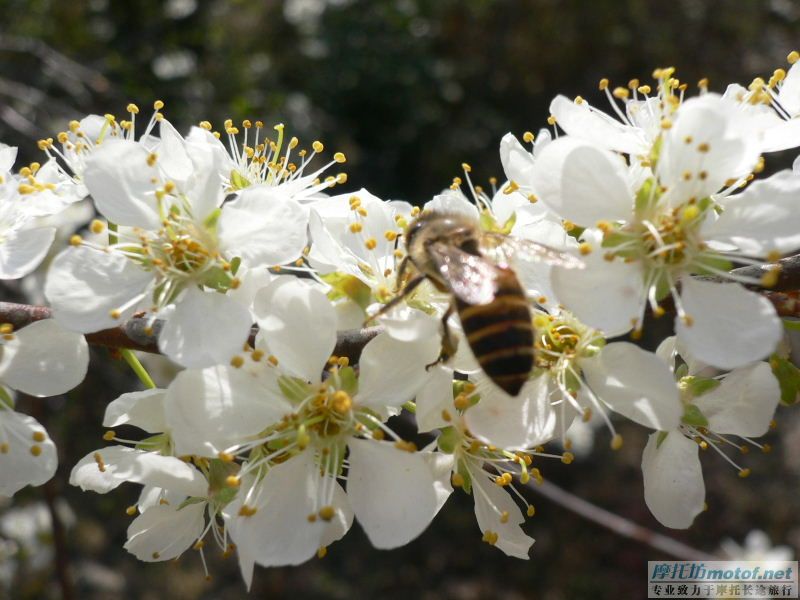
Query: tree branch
617, 524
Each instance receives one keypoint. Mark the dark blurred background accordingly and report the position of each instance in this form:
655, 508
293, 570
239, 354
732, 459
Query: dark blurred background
408, 89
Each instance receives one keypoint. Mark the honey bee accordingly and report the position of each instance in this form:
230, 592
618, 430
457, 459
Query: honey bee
451, 251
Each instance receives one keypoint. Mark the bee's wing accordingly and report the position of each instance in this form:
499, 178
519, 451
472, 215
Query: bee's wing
471, 278
505, 247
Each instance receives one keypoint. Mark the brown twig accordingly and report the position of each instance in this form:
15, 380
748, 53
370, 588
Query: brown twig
619, 525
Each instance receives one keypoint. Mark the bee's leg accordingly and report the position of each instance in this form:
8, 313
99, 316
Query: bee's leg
401, 271
410, 287
449, 343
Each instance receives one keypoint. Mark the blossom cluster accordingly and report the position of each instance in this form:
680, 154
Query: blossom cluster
270, 444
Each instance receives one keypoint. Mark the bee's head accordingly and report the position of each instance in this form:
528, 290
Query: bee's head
453, 228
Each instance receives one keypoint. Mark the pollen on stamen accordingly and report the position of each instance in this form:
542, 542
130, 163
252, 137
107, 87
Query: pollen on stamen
75, 240
793, 57
616, 442
528, 137
326, 513
109, 435
322, 552
247, 511
567, 458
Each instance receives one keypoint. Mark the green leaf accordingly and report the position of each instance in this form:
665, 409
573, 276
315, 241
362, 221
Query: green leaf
697, 386
693, 416
509, 224
218, 279
447, 440
235, 263
788, 377
791, 324
487, 221
5, 398
239, 181
348, 380
190, 500
348, 286
293, 388
662, 435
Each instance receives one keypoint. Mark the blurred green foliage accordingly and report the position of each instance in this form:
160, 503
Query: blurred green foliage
408, 89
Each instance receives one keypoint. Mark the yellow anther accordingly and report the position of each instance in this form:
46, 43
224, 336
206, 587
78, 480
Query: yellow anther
226, 457
339, 157
744, 473
621, 93
703, 83
603, 84
97, 226
273, 360
687, 320
356, 227
405, 446
151, 159
378, 434
109, 435
466, 167
551, 120
415, 211
131, 510
199, 545
257, 355
490, 537
579, 100
644, 89
233, 481
390, 235
237, 361
132, 108
766, 448
770, 278
512, 187
457, 480
793, 57
567, 458
616, 442
6, 329
322, 552
158, 104
704, 147
504, 517
205, 125
371, 243
341, 402
530, 511
343, 361
326, 513
115, 313
585, 248
247, 511
633, 84
528, 137
318, 146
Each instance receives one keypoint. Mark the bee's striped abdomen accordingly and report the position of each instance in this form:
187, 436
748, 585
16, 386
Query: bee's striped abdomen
500, 333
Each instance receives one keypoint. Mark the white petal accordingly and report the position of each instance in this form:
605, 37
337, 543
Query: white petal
789, 94
395, 494
172, 156
22, 251
513, 423
782, 136
280, 532
251, 282
218, 408
763, 218
744, 403
121, 464
298, 325
731, 325
673, 480
392, 372
408, 324
44, 359
435, 397
605, 295
636, 384
595, 126
162, 533
84, 285
582, 182
206, 328
263, 227
144, 410
8, 156
517, 161
492, 504
452, 201
19, 466
119, 179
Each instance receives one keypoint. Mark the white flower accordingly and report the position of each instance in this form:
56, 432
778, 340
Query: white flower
654, 232
738, 404
167, 255
260, 160
41, 360
756, 546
